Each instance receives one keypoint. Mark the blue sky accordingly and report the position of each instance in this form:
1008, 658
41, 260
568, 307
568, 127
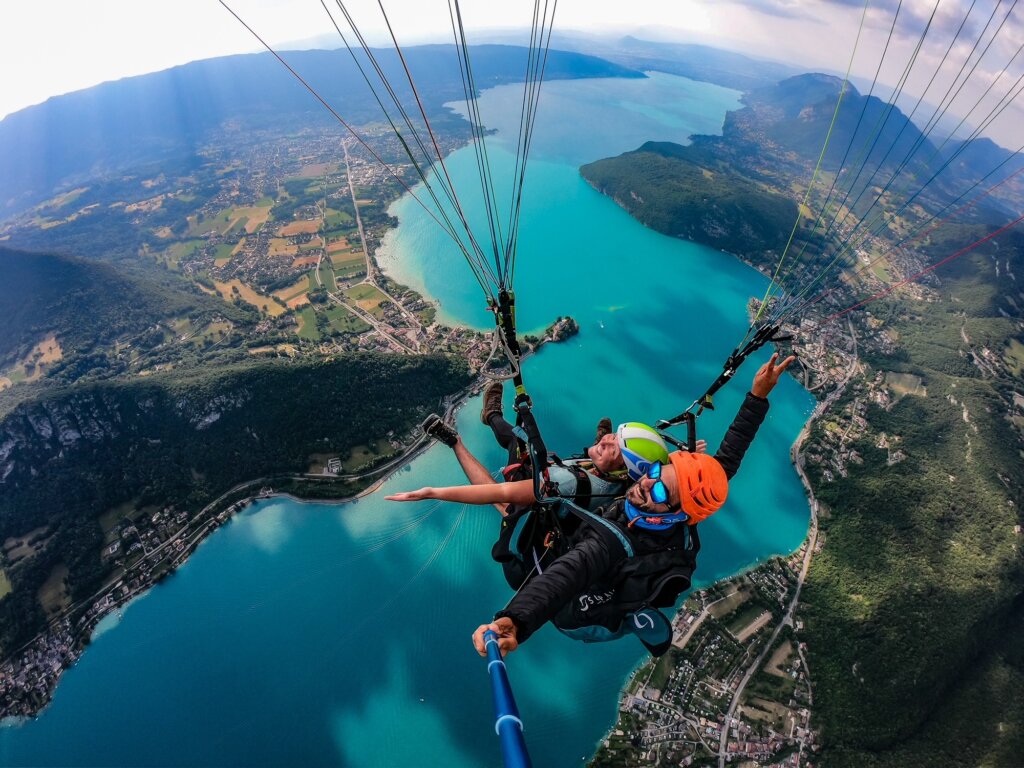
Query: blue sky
55, 46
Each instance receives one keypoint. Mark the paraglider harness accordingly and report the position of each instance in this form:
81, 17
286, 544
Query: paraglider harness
533, 536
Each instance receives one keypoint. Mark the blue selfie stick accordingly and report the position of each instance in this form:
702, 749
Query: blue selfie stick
507, 723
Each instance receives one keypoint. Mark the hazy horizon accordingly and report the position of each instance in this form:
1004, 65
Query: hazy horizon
820, 36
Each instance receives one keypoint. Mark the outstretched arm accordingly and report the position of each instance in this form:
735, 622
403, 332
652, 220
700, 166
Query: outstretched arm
755, 407
518, 492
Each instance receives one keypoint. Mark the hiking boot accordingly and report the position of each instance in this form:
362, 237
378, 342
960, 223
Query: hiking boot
492, 401
434, 426
604, 427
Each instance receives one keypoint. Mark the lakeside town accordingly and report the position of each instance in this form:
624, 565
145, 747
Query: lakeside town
701, 697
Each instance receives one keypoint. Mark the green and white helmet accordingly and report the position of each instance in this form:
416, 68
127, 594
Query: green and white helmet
641, 447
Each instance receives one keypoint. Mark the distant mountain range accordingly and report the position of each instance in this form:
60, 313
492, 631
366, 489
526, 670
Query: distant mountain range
714, 190
697, 62
797, 113
170, 114
780, 131
167, 116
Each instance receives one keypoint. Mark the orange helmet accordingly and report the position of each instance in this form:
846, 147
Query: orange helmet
703, 486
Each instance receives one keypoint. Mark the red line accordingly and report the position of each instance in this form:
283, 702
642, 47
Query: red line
937, 264
935, 225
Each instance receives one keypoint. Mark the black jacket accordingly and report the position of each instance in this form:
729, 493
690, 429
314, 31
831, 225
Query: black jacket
595, 560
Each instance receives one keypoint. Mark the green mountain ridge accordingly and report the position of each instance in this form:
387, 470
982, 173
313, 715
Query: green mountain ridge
685, 194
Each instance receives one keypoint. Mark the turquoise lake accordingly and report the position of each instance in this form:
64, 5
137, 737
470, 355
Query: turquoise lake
314, 634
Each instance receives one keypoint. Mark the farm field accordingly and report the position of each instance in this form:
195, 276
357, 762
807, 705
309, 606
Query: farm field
236, 287
348, 265
771, 712
658, 679
731, 602
178, 251
339, 246
279, 246
181, 326
307, 324
317, 169
234, 219
255, 216
213, 332
353, 271
65, 198
1015, 357
744, 632
344, 321
368, 298
288, 349
779, 659
221, 223
308, 226
299, 287
361, 454
738, 620
327, 276
346, 257
33, 365
334, 220
880, 269
223, 254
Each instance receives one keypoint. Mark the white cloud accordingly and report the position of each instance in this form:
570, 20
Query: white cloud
59, 46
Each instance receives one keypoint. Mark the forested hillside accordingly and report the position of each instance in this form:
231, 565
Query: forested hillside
86, 304
685, 194
181, 439
910, 603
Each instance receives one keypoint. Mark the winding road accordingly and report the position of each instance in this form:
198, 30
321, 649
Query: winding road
812, 539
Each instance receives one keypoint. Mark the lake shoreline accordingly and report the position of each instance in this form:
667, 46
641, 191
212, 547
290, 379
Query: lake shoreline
69, 635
